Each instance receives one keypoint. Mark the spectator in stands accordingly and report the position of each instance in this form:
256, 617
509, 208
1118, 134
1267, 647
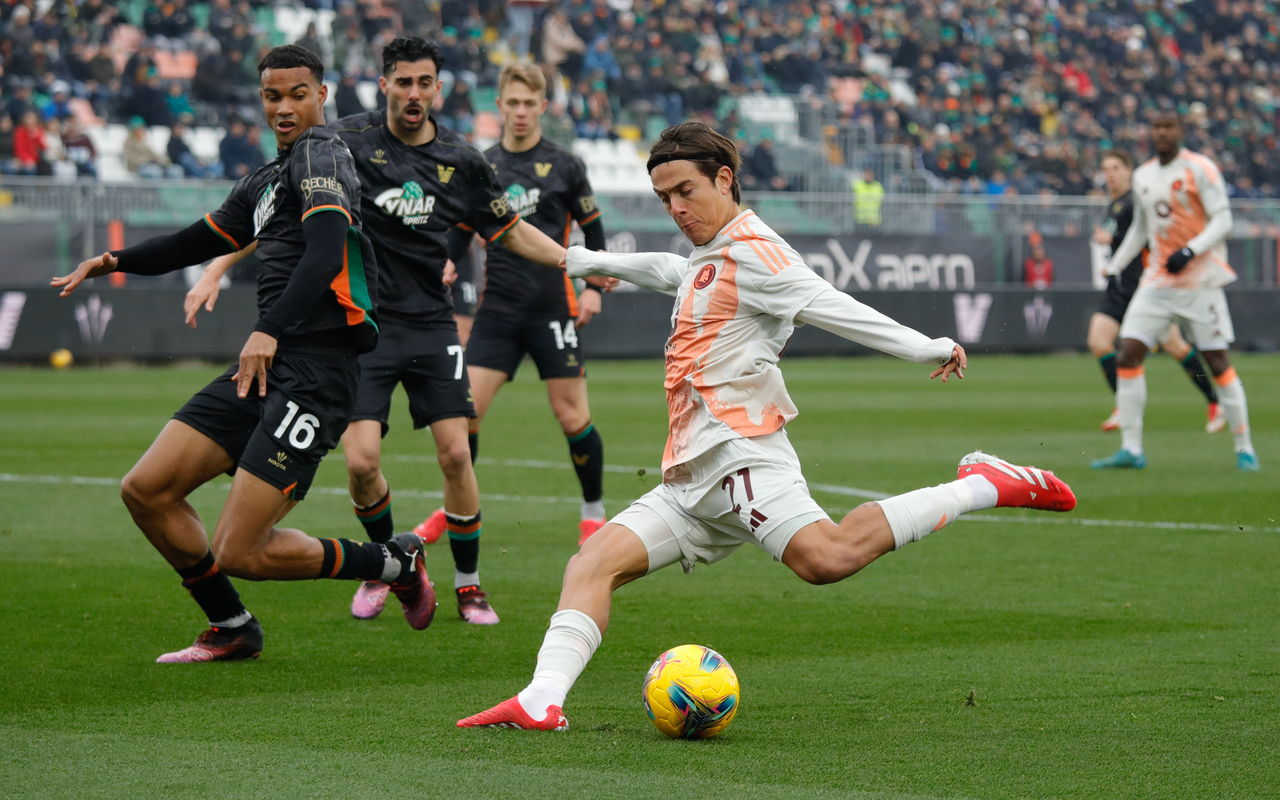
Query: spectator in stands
79, 149
557, 125
239, 155
149, 101
21, 102
592, 112
9, 165
29, 143
561, 47
868, 197
457, 111
662, 93
140, 159
1037, 269
599, 62
223, 18
351, 52
179, 153
179, 103
346, 99
760, 172
311, 40
54, 156
521, 15
59, 104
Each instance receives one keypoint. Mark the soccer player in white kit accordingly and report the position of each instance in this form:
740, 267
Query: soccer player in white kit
729, 474
1182, 216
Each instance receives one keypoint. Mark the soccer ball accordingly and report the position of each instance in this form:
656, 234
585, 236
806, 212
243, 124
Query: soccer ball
691, 692
61, 359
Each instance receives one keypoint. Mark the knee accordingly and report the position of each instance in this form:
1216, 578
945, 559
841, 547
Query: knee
1131, 354
572, 419
140, 495
235, 562
363, 467
455, 460
1101, 348
821, 570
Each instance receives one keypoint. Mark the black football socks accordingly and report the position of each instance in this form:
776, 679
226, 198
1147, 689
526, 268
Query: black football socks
1108, 364
587, 451
473, 440
212, 590
1195, 370
366, 561
376, 519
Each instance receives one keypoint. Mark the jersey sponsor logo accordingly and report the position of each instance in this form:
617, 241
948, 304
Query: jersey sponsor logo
705, 275
379, 157
409, 203
523, 201
266, 208
500, 207
322, 184
10, 312
278, 461
587, 204
444, 173
543, 169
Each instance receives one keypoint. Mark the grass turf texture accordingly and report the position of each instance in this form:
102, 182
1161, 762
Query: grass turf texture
1102, 661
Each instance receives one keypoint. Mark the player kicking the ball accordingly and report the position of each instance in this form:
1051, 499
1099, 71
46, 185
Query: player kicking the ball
1181, 215
729, 474
269, 420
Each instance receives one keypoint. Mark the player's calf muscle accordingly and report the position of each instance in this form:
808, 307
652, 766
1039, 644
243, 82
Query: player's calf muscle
824, 552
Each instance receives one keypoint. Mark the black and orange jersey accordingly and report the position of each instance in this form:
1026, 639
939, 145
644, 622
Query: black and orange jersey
315, 175
1119, 218
547, 186
412, 197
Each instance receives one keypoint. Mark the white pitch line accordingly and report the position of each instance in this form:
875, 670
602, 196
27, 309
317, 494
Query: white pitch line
847, 491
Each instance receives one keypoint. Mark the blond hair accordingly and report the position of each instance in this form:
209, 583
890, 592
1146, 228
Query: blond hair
528, 74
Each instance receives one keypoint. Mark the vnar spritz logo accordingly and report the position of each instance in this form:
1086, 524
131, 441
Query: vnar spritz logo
266, 208
523, 201
409, 203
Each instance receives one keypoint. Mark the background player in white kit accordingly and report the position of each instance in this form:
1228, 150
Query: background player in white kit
730, 475
1182, 216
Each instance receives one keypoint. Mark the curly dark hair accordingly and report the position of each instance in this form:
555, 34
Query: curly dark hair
292, 56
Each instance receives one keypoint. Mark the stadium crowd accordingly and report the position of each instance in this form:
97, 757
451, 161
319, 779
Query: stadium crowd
1020, 96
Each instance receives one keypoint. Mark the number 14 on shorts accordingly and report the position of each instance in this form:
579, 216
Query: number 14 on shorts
569, 334
729, 483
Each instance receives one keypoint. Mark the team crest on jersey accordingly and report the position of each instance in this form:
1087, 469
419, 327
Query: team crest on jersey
1177, 185
266, 208
444, 173
409, 203
523, 201
1115, 208
542, 168
379, 157
705, 276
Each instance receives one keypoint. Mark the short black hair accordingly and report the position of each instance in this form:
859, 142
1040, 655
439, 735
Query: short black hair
292, 56
410, 48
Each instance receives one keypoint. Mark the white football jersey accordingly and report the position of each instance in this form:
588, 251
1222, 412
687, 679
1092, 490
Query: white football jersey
1173, 204
739, 298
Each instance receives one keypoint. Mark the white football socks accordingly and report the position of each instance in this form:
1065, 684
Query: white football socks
915, 515
1131, 400
571, 640
593, 510
1234, 405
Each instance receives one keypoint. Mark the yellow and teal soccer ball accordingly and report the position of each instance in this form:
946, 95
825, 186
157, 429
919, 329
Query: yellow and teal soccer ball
691, 692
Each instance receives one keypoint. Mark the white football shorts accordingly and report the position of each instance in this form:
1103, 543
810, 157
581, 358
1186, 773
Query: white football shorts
1203, 311
740, 491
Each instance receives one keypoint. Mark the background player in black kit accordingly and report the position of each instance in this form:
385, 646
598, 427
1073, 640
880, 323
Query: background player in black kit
270, 420
527, 308
419, 180
1104, 326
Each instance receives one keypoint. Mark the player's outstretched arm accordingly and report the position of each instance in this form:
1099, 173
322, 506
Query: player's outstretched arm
194, 244
205, 292
528, 242
661, 272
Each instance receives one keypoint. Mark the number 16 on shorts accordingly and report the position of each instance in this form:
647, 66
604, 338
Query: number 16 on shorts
301, 428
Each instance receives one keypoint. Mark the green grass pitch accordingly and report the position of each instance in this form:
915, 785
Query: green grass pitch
1103, 661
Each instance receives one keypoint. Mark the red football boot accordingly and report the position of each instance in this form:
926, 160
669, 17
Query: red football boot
1019, 487
510, 714
432, 528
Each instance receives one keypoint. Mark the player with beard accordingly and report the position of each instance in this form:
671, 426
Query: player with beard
1104, 326
534, 309
1182, 217
270, 419
418, 181
729, 473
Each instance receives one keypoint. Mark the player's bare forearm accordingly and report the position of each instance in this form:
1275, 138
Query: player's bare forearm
528, 242
205, 292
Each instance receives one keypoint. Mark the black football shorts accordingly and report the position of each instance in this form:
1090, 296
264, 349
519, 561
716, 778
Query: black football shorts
500, 340
431, 365
280, 438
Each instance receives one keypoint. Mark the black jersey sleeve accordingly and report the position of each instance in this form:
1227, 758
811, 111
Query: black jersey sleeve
194, 244
490, 214
1123, 218
233, 220
582, 200
324, 176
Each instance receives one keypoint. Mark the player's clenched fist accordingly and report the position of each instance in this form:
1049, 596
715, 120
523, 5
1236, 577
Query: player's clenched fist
104, 264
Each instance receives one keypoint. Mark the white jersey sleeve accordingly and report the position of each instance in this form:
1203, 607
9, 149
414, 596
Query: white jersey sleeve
838, 313
661, 272
1213, 198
